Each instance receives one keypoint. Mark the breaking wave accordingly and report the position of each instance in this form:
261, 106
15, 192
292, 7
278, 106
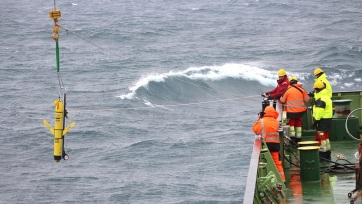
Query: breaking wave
206, 75
225, 81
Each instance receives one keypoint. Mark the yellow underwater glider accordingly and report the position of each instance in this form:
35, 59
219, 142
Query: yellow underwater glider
60, 112
58, 131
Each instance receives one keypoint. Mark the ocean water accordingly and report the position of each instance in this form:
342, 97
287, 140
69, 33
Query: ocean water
164, 93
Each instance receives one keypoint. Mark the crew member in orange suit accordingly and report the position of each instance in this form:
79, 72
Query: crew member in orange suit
294, 99
268, 127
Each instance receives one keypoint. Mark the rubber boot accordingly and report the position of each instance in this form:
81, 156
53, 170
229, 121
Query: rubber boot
325, 156
328, 155
294, 141
322, 156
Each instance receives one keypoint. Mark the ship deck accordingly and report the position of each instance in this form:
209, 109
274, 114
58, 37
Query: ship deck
333, 186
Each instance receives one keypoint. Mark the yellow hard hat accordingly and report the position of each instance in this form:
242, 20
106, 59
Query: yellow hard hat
293, 78
281, 72
317, 71
318, 85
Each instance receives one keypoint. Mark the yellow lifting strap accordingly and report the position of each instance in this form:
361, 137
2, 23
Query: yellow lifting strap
55, 14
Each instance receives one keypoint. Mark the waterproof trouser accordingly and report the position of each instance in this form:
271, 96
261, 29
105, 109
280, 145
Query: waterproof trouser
295, 127
278, 164
323, 141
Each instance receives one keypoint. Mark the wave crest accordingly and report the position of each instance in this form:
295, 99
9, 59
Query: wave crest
206, 73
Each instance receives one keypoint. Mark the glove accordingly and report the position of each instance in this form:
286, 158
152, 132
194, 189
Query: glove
264, 95
261, 114
311, 94
315, 124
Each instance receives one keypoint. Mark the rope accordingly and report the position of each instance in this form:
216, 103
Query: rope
336, 168
237, 97
165, 106
156, 106
55, 14
295, 156
80, 37
61, 84
340, 168
107, 51
286, 158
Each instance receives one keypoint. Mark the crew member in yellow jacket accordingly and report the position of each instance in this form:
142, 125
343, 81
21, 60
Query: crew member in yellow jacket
268, 127
322, 116
321, 76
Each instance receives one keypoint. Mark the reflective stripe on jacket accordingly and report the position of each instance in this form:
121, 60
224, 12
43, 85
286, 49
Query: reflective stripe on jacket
294, 99
324, 111
324, 79
267, 127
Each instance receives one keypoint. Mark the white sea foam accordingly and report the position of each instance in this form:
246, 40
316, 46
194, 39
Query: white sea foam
348, 84
214, 73
155, 105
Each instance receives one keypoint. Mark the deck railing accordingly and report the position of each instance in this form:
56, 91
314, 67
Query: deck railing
252, 174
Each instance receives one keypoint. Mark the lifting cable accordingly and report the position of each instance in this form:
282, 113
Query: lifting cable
236, 97
82, 38
60, 113
161, 106
56, 36
55, 15
107, 51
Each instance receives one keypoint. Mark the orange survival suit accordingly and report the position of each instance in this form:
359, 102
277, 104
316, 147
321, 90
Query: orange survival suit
268, 127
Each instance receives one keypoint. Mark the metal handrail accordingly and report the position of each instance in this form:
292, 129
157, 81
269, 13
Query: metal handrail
252, 174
